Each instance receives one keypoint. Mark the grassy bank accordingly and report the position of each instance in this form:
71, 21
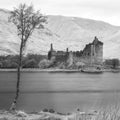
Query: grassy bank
103, 114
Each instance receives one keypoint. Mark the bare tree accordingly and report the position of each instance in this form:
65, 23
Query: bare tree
26, 20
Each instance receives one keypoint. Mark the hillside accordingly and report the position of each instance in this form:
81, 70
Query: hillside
63, 32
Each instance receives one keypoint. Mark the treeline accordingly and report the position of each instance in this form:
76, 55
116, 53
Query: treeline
41, 61
29, 61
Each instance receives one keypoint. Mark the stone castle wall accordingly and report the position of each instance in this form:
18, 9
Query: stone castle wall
91, 54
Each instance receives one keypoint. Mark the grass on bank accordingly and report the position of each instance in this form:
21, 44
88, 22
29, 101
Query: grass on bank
111, 113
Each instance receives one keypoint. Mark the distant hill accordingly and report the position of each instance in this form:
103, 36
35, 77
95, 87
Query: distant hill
63, 32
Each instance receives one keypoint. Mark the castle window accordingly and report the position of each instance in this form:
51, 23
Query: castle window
88, 54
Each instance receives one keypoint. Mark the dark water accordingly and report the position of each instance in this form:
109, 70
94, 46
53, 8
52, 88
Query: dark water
61, 91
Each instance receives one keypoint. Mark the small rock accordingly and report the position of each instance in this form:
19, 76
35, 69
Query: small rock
21, 114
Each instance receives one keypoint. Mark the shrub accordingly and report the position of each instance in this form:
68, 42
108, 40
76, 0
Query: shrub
30, 64
112, 63
37, 57
45, 110
44, 64
51, 111
1, 65
115, 63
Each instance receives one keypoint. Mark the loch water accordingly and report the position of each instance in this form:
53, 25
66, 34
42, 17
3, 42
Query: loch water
63, 92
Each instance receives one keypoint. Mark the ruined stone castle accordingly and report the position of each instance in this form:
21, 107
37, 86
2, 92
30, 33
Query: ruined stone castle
91, 54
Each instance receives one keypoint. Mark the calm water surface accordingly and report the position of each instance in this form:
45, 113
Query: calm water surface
61, 91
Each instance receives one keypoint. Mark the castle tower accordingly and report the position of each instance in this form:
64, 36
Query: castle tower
95, 40
52, 52
67, 50
96, 51
51, 47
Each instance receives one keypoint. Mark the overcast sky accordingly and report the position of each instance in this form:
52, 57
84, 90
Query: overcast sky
105, 10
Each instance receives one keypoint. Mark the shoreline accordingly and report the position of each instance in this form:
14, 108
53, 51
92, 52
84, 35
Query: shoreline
39, 70
55, 70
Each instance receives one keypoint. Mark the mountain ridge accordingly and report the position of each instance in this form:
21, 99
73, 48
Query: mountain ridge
63, 32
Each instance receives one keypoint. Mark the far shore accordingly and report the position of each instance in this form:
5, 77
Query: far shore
53, 70
40, 70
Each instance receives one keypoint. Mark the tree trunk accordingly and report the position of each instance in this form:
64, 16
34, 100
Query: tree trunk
13, 106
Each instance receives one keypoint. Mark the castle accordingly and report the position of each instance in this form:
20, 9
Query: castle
91, 54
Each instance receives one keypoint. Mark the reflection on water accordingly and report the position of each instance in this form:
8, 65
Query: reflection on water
61, 91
